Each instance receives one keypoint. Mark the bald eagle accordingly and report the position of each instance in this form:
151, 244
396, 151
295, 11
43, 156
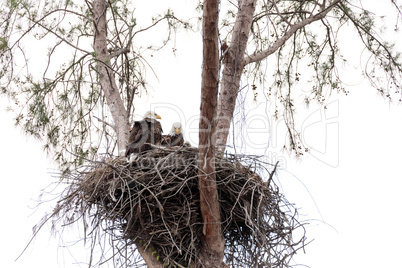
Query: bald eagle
175, 137
144, 134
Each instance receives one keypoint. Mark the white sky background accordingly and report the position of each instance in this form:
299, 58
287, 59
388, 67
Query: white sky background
349, 186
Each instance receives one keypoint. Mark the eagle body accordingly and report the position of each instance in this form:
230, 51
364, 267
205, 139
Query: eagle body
175, 137
143, 135
172, 140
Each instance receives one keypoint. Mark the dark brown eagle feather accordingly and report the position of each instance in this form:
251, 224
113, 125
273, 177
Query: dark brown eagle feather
144, 133
172, 140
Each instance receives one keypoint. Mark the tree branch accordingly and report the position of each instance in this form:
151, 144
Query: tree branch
292, 30
232, 71
106, 75
209, 204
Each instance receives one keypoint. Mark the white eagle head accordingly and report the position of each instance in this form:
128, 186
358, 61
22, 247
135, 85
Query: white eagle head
176, 129
152, 115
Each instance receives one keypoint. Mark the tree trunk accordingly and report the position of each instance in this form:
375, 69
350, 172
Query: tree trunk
106, 76
213, 250
233, 67
235, 61
113, 98
149, 259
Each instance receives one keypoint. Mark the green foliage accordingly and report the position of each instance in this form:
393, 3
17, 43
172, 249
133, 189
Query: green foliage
58, 98
384, 67
307, 66
3, 44
48, 69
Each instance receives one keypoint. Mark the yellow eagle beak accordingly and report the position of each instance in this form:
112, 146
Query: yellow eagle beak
158, 117
177, 131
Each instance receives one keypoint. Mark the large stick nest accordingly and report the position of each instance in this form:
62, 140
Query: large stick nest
153, 203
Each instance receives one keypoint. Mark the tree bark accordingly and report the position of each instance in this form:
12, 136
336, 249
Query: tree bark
113, 98
233, 67
106, 76
213, 250
289, 33
235, 61
149, 259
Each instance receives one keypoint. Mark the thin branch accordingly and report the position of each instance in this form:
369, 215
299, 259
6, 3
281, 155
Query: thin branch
104, 122
49, 30
292, 30
60, 37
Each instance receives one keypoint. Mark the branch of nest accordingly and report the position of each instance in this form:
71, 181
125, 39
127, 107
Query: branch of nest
155, 200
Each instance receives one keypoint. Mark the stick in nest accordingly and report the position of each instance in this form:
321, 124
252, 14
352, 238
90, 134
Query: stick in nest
155, 201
